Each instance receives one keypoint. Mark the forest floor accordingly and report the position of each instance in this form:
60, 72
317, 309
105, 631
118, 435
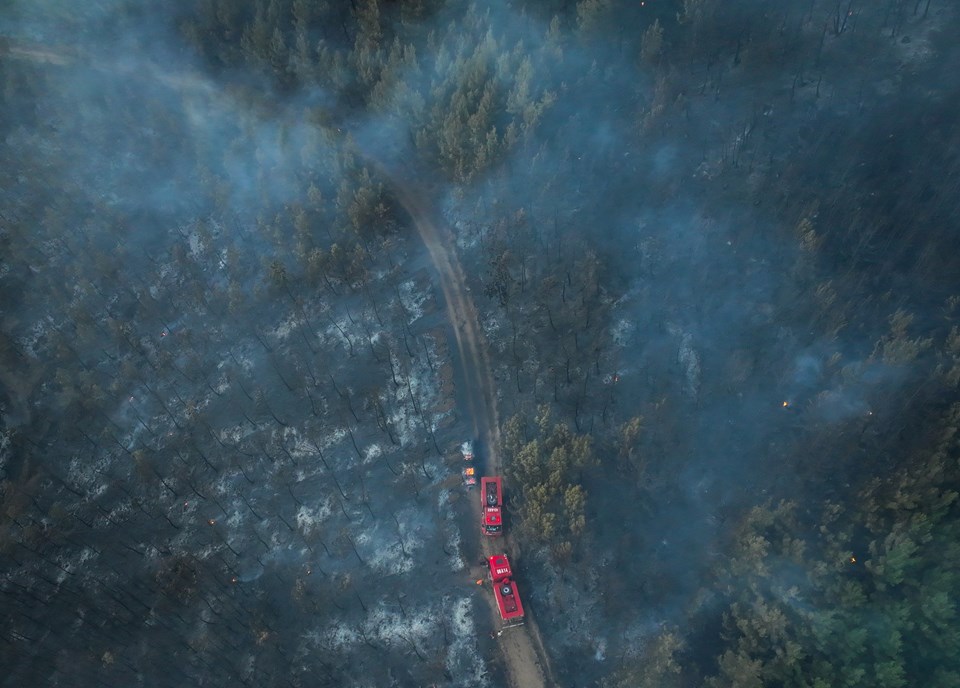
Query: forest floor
522, 648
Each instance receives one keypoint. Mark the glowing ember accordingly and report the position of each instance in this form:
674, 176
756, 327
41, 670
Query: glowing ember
479, 581
233, 580
786, 404
211, 521
853, 560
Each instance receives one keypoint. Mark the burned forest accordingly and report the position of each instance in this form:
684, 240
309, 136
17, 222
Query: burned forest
408, 343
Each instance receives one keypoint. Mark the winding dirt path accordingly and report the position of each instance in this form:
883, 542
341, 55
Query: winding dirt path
522, 647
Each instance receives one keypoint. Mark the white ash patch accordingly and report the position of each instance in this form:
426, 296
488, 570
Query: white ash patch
4, 449
463, 659
37, 331
415, 527
338, 637
412, 300
236, 518
372, 453
688, 359
61, 575
277, 541
918, 48
399, 630
235, 434
469, 235
302, 448
623, 300
492, 326
388, 559
438, 419
245, 362
163, 272
87, 473
121, 511
333, 437
601, 650
402, 420
622, 332
437, 470
690, 362
309, 519
247, 668
86, 554
221, 484
197, 247
207, 552
425, 390
152, 552
290, 433
286, 327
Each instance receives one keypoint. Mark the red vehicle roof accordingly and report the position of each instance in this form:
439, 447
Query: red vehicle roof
492, 492
499, 567
491, 499
508, 600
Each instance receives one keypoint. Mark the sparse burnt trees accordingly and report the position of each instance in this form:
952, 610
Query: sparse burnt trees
559, 326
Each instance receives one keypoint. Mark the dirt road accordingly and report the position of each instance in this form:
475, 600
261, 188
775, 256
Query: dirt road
522, 647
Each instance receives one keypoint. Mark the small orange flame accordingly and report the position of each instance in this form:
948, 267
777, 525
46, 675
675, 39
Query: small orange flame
786, 404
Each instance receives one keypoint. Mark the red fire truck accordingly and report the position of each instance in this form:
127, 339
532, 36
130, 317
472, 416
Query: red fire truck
491, 502
505, 589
